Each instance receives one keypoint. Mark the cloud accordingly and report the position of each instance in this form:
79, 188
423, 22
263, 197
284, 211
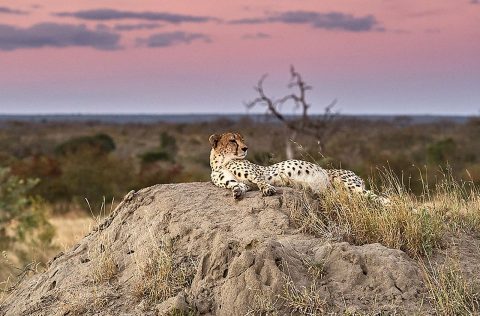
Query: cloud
475, 1
329, 21
172, 38
252, 21
426, 13
6, 10
111, 14
134, 27
103, 27
56, 35
258, 35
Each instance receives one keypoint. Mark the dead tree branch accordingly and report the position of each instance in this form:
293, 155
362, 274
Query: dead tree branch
319, 127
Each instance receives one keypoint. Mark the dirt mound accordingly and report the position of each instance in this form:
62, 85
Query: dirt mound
192, 249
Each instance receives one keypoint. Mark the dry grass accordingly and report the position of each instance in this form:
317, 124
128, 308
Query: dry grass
178, 312
86, 302
413, 224
297, 299
104, 266
416, 225
70, 229
315, 269
304, 300
458, 203
263, 304
356, 219
450, 292
161, 274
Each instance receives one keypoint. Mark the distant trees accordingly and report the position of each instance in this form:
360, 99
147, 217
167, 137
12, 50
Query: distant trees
79, 168
109, 164
98, 144
320, 127
166, 151
87, 175
159, 165
441, 151
87, 167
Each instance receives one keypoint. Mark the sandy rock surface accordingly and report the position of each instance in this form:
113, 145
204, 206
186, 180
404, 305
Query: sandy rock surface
232, 258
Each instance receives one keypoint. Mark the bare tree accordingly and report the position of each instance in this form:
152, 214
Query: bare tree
320, 127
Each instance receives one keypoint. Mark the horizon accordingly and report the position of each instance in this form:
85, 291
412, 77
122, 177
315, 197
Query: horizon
222, 114
384, 57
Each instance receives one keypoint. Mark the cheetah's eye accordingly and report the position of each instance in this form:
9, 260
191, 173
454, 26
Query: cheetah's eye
232, 141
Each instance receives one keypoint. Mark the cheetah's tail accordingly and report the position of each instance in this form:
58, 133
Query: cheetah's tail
378, 198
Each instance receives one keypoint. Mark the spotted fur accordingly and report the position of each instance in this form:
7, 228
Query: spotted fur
231, 170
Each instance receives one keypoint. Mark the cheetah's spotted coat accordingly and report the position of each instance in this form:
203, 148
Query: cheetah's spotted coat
231, 170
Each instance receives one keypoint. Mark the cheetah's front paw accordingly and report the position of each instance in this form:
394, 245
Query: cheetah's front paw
269, 190
239, 191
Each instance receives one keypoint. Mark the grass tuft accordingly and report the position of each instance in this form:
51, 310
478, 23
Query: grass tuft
450, 292
105, 266
161, 274
413, 224
263, 304
304, 300
340, 215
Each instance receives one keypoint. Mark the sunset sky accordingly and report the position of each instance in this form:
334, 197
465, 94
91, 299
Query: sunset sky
145, 56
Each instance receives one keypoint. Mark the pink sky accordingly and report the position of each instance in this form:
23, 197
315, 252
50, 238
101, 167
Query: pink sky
375, 56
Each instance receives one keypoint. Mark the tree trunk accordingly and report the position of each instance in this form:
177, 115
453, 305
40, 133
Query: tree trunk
289, 145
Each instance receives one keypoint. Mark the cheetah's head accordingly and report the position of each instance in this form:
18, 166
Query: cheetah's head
229, 145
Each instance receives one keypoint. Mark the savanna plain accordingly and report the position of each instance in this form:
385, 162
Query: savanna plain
60, 180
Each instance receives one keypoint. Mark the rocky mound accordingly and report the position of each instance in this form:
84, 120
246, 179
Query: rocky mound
191, 249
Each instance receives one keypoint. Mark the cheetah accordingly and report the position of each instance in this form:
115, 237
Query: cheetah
231, 170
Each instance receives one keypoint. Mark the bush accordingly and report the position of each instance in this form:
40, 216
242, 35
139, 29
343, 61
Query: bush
153, 156
47, 170
441, 151
152, 174
23, 222
100, 144
167, 150
88, 176
262, 158
168, 143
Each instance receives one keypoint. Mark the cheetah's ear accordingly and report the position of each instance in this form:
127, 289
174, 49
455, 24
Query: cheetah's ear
213, 139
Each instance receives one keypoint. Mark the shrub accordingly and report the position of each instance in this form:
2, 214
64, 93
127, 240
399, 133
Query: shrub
153, 156
45, 168
101, 144
262, 158
439, 152
167, 150
19, 214
88, 176
23, 222
168, 143
152, 174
